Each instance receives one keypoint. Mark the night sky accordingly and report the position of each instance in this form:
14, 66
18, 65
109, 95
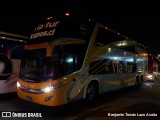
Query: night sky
139, 21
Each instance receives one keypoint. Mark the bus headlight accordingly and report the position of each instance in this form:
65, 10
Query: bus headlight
150, 76
18, 85
48, 89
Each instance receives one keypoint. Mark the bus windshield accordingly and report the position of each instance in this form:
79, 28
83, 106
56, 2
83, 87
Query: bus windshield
66, 59
37, 67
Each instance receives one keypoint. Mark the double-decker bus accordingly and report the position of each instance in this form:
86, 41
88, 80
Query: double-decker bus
68, 58
10, 45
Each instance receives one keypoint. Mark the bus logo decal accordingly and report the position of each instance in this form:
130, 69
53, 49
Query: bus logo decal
43, 30
107, 66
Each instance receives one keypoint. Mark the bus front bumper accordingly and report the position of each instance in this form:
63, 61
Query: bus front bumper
47, 98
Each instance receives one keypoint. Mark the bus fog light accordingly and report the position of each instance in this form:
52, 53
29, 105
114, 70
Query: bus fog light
150, 76
49, 98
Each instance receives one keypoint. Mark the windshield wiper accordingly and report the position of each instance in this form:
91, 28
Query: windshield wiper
29, 73
19, 75
28, 80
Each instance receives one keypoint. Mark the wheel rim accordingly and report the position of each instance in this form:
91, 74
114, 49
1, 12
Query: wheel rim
140, 83
137, 83
91, 92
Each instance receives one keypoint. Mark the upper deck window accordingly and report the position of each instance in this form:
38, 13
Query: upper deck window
105, 36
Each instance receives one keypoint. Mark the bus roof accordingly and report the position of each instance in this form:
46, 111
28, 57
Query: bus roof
5, 36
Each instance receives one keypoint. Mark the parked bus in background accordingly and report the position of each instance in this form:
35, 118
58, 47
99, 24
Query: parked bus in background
153, 68
68, 58
9, 68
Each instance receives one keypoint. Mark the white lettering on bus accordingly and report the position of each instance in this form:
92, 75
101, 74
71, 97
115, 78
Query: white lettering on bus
28, 85
43, 33
39, 27
46, 32
51, 24
47, 25
121, 67
31, 86
120, 70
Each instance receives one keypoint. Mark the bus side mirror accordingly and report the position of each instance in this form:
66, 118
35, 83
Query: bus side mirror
9, 53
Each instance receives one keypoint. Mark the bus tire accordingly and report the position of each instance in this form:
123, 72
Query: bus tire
92, 90
139, 82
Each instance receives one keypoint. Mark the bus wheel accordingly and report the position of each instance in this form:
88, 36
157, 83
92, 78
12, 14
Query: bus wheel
92, 91
139, 82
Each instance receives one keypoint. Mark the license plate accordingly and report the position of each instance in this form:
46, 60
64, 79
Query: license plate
29, 98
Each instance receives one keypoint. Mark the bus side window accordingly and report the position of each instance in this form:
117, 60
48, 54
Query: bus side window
67, 63
72, 60
128, 46
105, 36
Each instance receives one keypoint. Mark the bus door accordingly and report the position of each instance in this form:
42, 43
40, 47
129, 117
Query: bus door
11, 82
15, 55
5, 70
